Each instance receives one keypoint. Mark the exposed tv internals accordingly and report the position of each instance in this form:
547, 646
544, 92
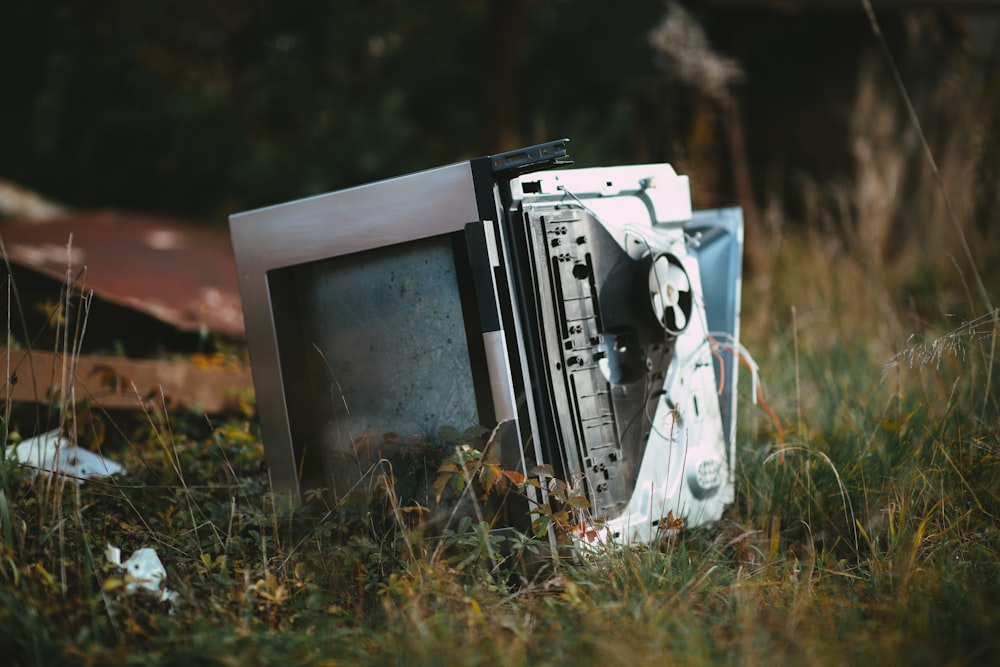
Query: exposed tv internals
590, 313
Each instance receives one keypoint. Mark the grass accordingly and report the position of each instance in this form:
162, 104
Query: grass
868, 535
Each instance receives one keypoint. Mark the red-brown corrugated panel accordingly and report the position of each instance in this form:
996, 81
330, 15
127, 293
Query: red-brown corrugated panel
180, 273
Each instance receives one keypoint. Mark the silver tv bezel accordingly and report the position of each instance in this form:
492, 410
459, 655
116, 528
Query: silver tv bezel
408, 208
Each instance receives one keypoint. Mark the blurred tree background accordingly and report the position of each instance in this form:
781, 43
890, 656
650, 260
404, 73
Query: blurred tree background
205, 108
787, 108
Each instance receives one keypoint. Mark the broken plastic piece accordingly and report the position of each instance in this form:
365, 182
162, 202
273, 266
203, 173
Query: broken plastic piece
53, 453
144, 570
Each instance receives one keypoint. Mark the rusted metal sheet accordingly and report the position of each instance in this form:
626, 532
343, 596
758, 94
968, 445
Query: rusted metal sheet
179, 273
208, 384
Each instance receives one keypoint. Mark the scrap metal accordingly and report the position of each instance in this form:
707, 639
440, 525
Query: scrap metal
179, 273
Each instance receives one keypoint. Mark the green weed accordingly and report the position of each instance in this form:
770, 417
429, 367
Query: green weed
865, 530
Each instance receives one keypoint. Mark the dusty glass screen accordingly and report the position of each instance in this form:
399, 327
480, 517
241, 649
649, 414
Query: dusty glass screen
372, 343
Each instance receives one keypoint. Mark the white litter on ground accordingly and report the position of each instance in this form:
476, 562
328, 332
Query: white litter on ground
144, 571
52, 452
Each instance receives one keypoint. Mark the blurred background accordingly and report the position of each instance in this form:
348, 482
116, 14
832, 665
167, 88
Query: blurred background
789, 108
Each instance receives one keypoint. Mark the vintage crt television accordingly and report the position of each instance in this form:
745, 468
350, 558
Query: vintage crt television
590, 312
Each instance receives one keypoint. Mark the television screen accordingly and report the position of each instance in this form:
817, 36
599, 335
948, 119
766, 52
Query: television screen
588, 314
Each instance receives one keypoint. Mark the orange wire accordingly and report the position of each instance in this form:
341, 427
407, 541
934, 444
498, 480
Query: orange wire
715, 345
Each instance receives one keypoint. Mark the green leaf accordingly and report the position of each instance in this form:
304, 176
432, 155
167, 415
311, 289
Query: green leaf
540, 526
449, 433
440, 482
476, 431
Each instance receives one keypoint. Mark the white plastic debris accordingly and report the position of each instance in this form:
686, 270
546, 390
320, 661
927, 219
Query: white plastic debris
52, 452
144, 571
